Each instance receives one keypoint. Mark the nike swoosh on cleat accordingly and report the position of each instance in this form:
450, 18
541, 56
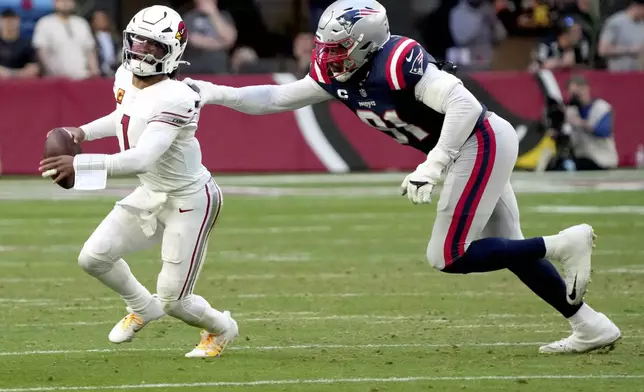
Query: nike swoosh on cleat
411, 55
182, 211
573, 294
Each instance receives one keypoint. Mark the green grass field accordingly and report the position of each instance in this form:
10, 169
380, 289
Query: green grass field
331, 292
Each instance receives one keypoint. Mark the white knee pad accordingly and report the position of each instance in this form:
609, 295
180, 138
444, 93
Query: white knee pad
94, 257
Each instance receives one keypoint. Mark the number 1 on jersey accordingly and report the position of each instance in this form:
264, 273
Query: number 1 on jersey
125, 124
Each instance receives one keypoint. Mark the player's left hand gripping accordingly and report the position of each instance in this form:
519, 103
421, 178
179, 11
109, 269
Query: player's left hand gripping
59, 167
418, 185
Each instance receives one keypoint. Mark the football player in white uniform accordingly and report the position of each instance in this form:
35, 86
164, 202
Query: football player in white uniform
393, 84
177, 203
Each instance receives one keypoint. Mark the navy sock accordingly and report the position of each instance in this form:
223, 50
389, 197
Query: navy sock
493, 254
525, 258
544, 280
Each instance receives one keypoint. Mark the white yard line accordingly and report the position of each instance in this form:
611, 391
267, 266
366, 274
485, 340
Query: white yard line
286, 347
36, 189
501, 292
330, 381
581, 209
430, 275
275, 348
294, 318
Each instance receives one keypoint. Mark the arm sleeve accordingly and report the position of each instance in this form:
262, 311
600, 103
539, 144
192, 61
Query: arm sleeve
89, 41
604, 127
100, 128
543, 52
154, 141
39, 39
446, 94
30, 55
609, 32
463, 33
265, 99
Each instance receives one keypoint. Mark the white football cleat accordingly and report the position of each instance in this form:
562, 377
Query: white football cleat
212, 345
125, 329
596, 334
577, 243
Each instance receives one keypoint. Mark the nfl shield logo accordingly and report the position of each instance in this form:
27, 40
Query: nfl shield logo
363, 93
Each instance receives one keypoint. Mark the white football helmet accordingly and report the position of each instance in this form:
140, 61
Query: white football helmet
154, 41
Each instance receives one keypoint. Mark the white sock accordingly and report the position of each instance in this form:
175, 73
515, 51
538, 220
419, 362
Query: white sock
196, 311
553, 243
583, 315
121, 280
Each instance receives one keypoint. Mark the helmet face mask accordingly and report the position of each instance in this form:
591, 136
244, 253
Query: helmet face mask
144, 54
154, 42
334, 56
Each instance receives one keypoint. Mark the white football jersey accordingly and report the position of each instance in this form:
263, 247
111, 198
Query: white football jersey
179, 169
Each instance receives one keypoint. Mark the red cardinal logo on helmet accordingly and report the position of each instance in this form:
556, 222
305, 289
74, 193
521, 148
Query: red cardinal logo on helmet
182, 32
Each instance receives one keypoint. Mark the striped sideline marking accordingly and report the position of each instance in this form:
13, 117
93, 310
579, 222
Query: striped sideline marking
332, 381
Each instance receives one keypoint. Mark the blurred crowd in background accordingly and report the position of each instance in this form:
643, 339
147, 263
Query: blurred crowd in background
82, 39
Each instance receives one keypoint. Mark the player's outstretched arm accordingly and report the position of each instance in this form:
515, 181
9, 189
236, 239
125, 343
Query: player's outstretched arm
262, 99
100, 128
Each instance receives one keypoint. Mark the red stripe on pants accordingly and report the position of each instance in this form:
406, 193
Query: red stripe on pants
199, 241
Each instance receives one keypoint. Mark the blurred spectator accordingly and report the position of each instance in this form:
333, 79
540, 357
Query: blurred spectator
302, 51
506, 11
211, 34
585, 14
17, 56
286, 17
622, 40
567, 49
105, 35
475, 29
582, 11
254, 31
29, 12
245, 60
536, 17
609, 7
65, 44
434, 28
592, 141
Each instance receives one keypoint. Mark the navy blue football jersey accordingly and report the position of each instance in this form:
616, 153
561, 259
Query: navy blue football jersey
381, 93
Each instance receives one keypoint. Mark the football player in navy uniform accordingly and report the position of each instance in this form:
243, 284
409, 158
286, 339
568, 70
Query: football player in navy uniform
392, 84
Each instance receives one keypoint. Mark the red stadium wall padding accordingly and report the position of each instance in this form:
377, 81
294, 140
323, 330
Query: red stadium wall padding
236, 142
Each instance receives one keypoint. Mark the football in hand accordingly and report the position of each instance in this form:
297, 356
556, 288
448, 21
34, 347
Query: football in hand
61, 142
